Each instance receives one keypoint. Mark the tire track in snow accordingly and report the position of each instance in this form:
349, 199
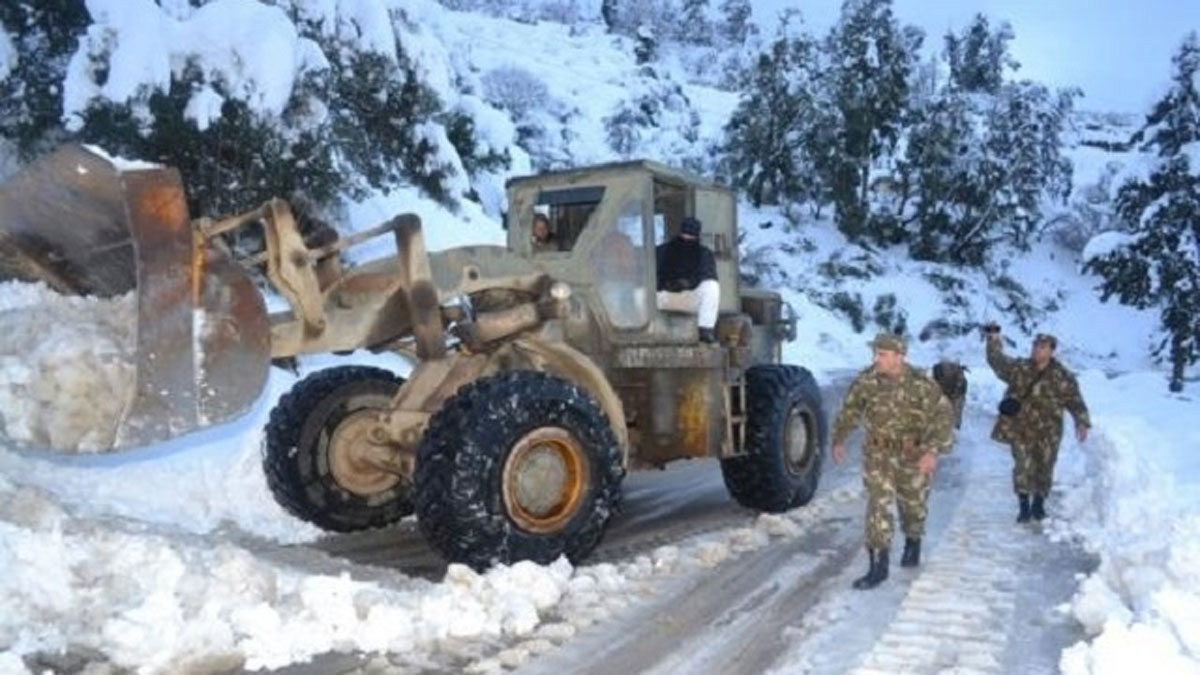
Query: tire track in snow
955, 615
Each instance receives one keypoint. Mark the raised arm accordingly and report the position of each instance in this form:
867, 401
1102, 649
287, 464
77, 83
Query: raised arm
1001, 364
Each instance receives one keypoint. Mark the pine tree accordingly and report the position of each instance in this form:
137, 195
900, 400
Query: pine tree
943, 156
611, 14
979, 56
1159, 263
872, 60
695, 27
1027, 168
736, 26
770, 137
45, 34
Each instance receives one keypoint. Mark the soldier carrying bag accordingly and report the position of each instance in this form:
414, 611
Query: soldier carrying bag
1010, 406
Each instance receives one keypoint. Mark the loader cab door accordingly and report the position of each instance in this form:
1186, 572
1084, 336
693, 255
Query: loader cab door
715, 208
602, 242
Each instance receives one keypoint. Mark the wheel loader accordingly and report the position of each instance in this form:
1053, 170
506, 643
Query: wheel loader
542, 374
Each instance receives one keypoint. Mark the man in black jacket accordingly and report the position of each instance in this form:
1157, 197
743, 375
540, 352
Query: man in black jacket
687, 278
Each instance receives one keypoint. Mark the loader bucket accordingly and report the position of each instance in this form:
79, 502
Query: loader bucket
88, 225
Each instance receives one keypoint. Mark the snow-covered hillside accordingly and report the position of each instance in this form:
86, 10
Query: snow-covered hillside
175, 558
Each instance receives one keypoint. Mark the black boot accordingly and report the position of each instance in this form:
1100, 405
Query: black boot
708, 335
912, 553
1038, 511
877, 572
1023, 514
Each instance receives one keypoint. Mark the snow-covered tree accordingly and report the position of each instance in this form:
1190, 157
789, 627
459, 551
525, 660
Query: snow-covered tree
233, 162
645, 47
979, 56
871, 61
1024, 142
695, 26
44, 35
771, 140
610, 12
980, 169
940, 172
736, 24
658, 115
1158, 263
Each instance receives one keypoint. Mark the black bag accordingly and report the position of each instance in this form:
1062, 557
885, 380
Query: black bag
1009, 406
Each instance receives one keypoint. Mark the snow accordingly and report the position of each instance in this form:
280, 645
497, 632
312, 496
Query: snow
8, 53
66, 368
153, 557
1106, 243
250, 48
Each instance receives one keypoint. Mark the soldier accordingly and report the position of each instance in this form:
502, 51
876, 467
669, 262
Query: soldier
1031, 416
907, 420
951, 376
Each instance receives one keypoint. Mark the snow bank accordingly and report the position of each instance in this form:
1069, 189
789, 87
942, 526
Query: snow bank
1142, 605
167, 604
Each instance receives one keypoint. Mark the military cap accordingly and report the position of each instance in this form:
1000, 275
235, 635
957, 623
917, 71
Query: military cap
890, 342
1046, 338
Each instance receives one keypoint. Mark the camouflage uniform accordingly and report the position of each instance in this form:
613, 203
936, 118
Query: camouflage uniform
904, 417
1035, 432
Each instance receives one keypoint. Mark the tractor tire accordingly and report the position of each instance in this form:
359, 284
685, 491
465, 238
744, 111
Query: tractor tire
517, 466
308, 456
785, 440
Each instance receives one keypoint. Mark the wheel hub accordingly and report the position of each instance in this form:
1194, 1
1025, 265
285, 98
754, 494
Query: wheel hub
545, 478
796, 442
358, 464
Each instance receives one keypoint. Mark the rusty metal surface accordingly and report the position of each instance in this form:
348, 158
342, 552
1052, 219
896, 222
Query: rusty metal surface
164, 401
670, 356
62, 221
544, 480
234, 342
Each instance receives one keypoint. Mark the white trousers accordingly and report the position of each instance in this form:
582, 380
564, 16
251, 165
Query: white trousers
702, 301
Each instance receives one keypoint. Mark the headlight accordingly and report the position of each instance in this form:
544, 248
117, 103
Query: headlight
560, 290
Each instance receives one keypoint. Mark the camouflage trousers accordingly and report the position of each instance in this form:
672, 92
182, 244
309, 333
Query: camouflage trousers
890, 474
1033, 466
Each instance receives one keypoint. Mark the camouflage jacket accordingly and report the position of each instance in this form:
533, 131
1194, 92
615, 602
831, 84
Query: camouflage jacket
1042, 401
910, 411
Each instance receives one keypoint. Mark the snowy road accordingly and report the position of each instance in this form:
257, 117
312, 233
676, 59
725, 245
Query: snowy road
984, 601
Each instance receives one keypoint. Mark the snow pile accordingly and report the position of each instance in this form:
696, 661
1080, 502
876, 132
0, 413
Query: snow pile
1143, 603
165, 604
66, 366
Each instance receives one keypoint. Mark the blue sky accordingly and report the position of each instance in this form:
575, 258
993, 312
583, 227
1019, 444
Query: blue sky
1117, 51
